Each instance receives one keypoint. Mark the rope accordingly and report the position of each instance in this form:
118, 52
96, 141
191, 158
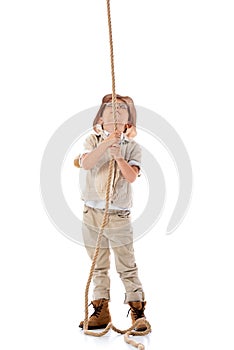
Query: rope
114, 99
129, 331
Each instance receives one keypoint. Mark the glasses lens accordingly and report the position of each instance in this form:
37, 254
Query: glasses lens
123, 106
120, 105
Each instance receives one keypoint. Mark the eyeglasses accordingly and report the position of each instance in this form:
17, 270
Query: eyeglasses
120, 105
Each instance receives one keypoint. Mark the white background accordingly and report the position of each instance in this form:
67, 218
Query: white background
174, 57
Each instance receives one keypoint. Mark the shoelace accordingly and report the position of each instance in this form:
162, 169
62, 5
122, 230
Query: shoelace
138, 313
97, 310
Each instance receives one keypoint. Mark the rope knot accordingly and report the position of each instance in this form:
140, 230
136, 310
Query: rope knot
141, 347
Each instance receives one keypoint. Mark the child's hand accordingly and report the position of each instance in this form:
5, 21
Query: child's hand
115, 151
113, 138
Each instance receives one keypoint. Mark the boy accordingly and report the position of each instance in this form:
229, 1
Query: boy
99, 149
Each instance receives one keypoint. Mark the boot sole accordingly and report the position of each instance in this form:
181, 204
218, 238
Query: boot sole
96, 327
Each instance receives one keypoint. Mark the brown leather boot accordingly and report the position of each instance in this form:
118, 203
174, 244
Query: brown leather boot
101, 316
137, 311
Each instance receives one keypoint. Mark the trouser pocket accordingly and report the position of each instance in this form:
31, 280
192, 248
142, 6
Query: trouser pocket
85, 209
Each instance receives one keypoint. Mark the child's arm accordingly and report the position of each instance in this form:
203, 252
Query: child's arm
89, 160
129, 172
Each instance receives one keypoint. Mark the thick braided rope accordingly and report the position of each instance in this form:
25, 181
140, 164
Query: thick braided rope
114, 99
129, 331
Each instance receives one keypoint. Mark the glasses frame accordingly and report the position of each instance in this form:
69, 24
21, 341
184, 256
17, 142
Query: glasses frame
121, 105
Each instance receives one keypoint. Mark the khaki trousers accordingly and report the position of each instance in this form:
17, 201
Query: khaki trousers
119, 236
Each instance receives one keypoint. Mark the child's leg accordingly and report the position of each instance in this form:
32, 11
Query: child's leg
121, 240
101, 280
128, 272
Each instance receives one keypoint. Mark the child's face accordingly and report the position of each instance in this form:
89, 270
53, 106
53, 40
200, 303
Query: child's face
108, 118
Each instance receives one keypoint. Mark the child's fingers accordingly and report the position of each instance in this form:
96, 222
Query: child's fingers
116, 134
114, 139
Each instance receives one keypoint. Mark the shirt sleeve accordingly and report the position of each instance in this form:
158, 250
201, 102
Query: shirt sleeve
135, 156
89, 145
